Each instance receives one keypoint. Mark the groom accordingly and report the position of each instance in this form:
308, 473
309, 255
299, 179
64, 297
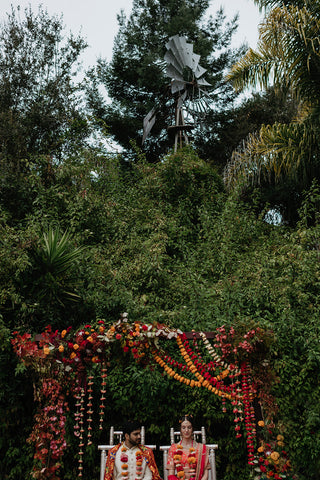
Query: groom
130, 460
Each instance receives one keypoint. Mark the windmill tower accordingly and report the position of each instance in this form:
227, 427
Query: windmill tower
187, 87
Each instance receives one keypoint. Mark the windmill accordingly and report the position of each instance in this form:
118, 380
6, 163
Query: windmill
188, 88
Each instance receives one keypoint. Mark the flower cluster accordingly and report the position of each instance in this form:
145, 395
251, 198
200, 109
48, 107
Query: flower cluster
239, 346
271, 460
48, 434
83, 348
138, 337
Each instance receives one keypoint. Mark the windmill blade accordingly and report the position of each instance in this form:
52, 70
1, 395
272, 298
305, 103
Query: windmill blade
203, 82
199, 71
176, 45
148, 122
172, 72
188, 55
177, 86
171, 60
195, 63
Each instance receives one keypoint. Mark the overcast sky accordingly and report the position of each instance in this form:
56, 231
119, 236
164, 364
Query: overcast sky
97, 20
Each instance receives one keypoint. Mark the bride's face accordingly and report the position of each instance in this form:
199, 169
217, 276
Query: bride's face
186, 429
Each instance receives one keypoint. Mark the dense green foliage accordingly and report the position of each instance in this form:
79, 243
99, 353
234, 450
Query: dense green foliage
164, 242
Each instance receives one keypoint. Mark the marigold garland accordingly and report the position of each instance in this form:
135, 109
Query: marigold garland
124, 467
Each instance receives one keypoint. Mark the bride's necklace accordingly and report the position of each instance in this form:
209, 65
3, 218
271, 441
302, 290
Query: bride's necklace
191, 459
124, 459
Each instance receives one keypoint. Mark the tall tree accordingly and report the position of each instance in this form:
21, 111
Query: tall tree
41, 114
135, 78
40, 111
287, 57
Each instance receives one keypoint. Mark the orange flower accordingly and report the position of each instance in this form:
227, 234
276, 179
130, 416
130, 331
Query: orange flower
180, 474
275, 456
73, 355
63, 333
75, 346
90, 339
261, 423
46, 350
61, 348
260, 449
101, 329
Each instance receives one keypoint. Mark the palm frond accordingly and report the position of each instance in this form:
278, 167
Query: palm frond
288, 53
276, 151
57, 253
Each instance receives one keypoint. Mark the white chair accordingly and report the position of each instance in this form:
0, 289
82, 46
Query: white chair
115, 438
199, 436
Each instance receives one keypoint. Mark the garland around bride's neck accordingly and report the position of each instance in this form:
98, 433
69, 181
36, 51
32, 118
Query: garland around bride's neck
192, 462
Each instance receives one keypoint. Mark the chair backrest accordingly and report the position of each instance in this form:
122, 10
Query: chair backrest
116, 436
198, 435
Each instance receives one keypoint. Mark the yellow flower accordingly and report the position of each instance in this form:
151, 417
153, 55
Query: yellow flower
63, 333
61, 348
275, 456
90, 339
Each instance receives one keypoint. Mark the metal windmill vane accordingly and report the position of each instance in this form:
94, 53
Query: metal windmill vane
188, 87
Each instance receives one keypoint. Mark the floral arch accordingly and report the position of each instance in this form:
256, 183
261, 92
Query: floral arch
229, 364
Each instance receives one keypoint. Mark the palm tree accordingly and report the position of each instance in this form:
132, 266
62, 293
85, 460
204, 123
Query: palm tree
287, 58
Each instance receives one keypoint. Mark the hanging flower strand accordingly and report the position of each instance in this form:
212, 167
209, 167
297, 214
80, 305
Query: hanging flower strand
214, 354
89, 411
81, 439
103, 392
